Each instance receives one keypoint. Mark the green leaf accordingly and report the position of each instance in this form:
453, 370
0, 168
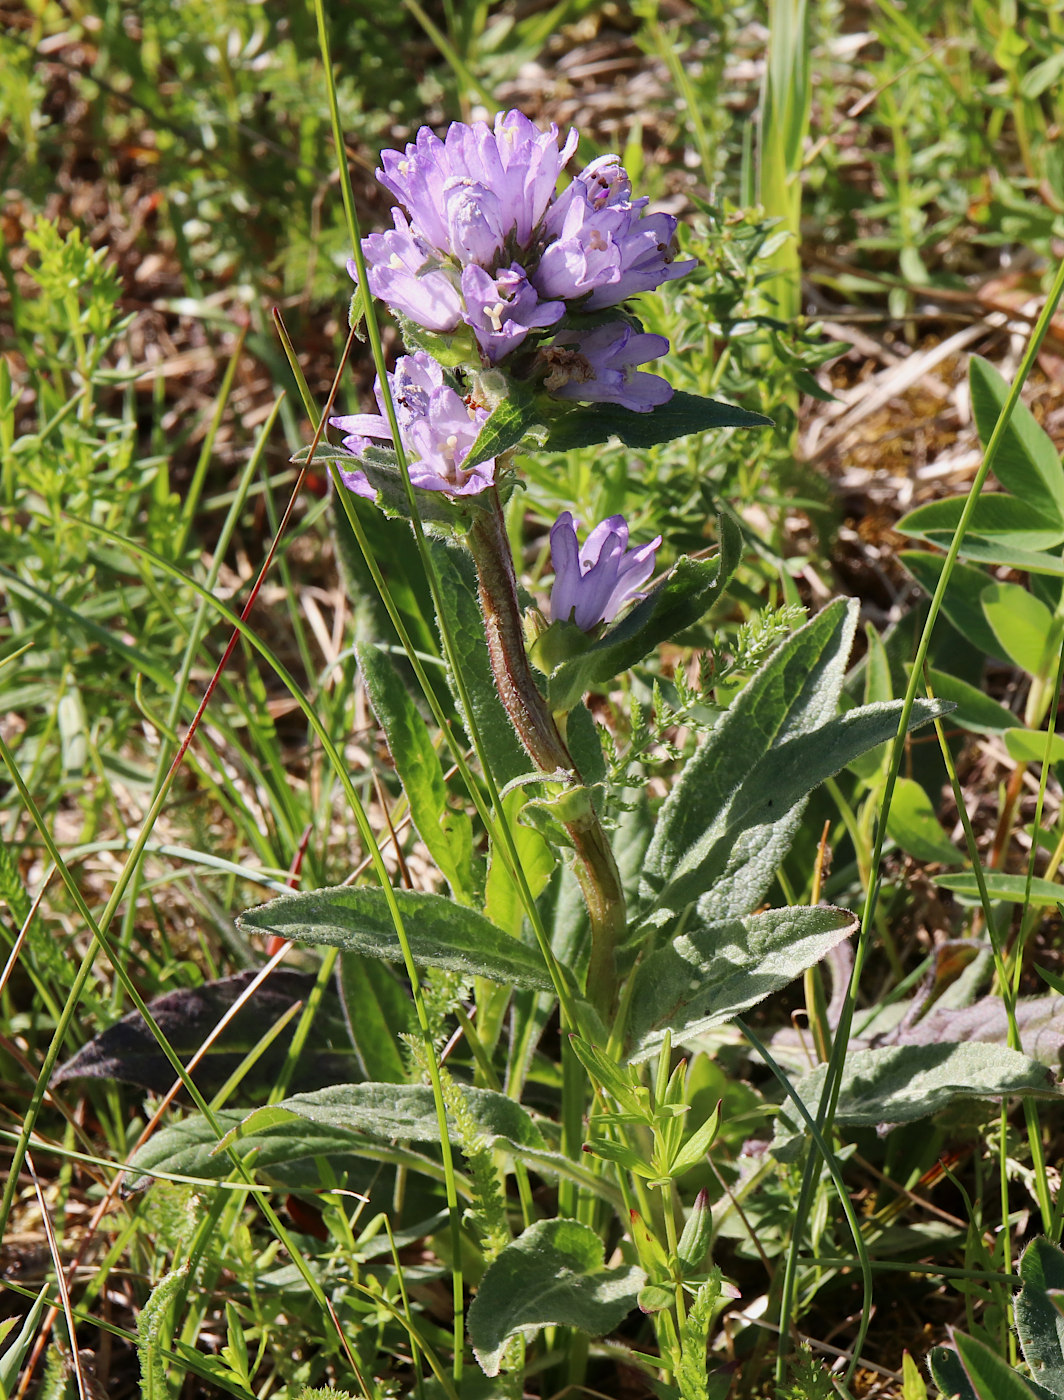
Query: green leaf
1030, 745
986, 551
441, 933
1027, 463
1038, 1318
961, 603
684, 413
912, 1383
1011, 888
948, 1374
1023, 625
682, 598
1005, 522
405, 1112
154, 1333
465, 619
902, 1083
377, 1011
446, 832
697, 1145
707, 975
692, 1372
991, 1377
507, 424
975, 710
912, 823
797, 689
767, 784
15, 1352
552, 1274
287, 1153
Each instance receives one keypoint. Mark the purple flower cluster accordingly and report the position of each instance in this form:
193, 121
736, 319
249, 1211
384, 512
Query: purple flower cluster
593, 583
437, 427
483, 240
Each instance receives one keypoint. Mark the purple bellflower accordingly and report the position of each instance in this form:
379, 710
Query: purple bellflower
593, 583
503, 309
437, 427
469, 193
600, 366
483, 238
403, 272
603, 243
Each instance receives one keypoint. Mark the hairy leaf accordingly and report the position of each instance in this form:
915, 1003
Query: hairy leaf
440, 932
446, 831
991, 1376
684, 413
128, 1052
707, 975
1038, 1317
552, 1274
405, 1112
901, 1084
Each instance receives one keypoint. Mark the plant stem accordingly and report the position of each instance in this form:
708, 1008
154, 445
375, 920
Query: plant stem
536, 727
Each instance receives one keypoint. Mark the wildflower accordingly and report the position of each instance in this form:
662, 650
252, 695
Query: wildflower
437, 426
593, 583
503, 309
468, 194
603, 243
600, 366
400, 272
483, 238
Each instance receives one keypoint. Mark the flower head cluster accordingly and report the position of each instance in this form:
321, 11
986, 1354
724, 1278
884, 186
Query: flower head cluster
437, 427
592, 583
483, 240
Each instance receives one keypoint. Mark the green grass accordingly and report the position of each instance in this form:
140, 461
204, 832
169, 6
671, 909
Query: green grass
176, 177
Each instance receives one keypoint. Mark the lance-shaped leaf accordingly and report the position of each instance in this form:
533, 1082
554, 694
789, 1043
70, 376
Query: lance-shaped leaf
1027, 463
684, 413
682, 598
464, 617
446, 832
707, 975
797, 689
990, 1375
288, 1154
901, 1084
513, 418
552, 1274
129, 1053
441, 933
395, 1112
772, 780
381, 469
1038, 1313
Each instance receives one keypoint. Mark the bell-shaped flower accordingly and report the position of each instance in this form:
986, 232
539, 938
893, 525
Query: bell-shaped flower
602, 242
503, 309
437, 427
592, 583
601, 366
404, 273
469, 193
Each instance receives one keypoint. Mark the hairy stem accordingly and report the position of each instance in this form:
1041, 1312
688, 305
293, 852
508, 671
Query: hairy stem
538, 731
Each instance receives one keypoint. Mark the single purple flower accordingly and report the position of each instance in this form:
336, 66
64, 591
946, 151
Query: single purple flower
592, 584
599, 366
437, 426
504, 308
403, 271
602, 242
467, 194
